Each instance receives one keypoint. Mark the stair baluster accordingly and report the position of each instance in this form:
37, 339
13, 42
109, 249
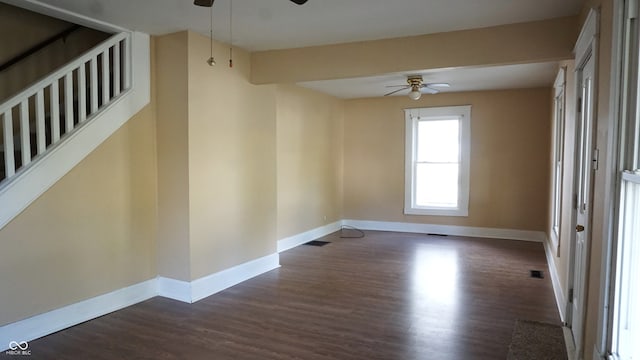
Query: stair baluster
52, 108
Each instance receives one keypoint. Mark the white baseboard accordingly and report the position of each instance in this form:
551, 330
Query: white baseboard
65, 317
299, 239
174, 289
561, 300
524, 235
199, 289
209, 285
59, 319
190, 292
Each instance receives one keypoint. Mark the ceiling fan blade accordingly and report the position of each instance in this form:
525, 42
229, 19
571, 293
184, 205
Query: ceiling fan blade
395, 91
404, 86
437, 85
428, 90
299, 2
205, 3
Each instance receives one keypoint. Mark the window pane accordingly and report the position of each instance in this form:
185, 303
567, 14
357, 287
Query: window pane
437, 185
628, 312
437, 154
557, 196
438, 141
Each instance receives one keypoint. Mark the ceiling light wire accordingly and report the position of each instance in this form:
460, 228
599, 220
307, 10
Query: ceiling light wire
230, 33
211, 61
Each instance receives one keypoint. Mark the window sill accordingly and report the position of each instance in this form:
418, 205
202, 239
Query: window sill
436, 212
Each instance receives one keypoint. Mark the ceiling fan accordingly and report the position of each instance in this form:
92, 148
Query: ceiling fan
209, 3
414, 82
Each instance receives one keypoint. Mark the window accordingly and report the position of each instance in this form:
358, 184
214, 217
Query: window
437, 161
558, 155
626, 313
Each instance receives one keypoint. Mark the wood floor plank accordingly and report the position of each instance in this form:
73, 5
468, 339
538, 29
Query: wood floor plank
384, 296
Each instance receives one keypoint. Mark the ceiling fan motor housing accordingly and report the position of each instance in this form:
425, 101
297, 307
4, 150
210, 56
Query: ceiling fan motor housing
414, 80
205, 3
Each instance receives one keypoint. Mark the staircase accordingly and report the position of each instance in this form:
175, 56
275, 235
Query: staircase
49, 127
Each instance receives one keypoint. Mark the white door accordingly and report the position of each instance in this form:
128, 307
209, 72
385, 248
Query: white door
586, 163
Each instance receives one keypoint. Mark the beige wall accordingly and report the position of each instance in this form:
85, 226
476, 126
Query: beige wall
92, 233
171, 94
232, 162
309, 143
509, 158
538, 41
216, 160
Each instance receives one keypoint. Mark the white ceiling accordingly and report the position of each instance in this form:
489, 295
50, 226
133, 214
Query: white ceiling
276, 24
462, 79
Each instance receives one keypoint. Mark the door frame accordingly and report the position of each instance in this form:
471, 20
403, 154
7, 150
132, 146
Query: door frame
586, 49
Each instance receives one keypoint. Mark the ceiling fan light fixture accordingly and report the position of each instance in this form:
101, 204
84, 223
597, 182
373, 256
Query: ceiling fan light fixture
415, 94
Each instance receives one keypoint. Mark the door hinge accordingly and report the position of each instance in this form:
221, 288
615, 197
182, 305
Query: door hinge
570, 296
595, 161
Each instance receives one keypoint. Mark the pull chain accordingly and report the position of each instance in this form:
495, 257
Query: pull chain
231, 33
211, 61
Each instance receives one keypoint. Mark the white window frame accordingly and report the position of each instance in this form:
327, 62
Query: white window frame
617, 331
558, 158
412, 118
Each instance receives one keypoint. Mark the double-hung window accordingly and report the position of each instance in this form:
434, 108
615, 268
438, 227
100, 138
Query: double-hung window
437, 161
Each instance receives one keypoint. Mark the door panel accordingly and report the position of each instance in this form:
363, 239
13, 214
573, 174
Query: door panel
585, 169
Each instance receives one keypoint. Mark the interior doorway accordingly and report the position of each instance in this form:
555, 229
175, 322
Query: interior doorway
586, 163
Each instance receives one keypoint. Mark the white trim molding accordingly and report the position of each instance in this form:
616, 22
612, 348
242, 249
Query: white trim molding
587, 40
62, 318
199, 289
299, 239
480, 232
50, 322
174, 289
555, 281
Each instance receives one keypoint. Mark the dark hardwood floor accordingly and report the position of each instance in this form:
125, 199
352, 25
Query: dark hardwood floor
384, 296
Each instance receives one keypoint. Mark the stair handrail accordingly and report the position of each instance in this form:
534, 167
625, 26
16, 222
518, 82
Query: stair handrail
113, 79
39, 46
62, 71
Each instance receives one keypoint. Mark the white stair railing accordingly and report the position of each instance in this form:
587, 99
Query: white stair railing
42, 116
